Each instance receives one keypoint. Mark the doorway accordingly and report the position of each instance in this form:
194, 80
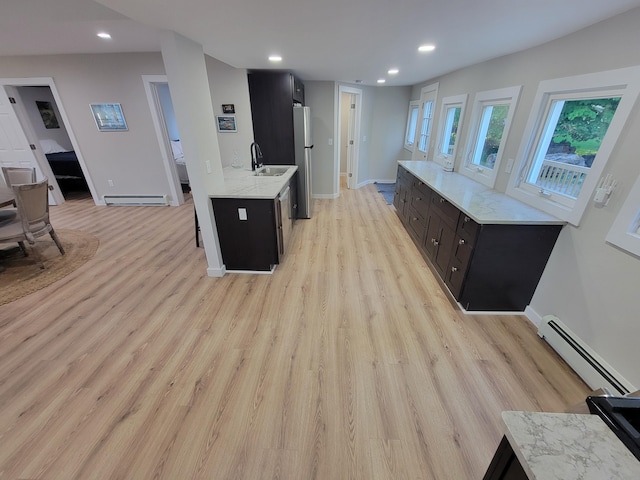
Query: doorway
31, 114
349, 113
166, 128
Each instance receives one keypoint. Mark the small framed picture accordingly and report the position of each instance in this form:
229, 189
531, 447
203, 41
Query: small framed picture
109, 117
227, 123
228, 108
48, 115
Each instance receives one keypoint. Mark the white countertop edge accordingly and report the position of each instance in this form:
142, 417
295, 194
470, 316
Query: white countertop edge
482, 204
242, 183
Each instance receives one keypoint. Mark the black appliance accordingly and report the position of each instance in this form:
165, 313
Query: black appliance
622, 415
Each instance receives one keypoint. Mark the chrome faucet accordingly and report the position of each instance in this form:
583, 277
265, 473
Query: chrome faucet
256, 156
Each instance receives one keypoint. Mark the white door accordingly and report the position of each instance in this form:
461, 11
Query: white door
15, 150
351, 142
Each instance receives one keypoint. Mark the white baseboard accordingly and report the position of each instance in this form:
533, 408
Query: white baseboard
325, 196
216, 272
533, 316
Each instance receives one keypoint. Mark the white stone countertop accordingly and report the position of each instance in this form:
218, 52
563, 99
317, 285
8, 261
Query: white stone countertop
481, 203
565, 446
242, 183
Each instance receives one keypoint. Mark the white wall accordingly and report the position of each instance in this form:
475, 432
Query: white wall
589, 284
319, 97
130, 159
230, 85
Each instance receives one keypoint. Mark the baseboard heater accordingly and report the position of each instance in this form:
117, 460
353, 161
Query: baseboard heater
136, 200
581, 358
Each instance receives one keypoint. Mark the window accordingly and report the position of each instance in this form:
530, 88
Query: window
428, 97
569, 137
490, 122
412, 126
449, 129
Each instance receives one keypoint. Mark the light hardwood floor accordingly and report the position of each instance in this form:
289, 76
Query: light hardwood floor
348, 363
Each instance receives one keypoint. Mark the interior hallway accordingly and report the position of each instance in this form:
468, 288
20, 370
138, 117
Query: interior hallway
348, 362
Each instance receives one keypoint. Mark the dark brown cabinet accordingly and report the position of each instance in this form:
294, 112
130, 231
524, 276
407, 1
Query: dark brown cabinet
272, 95
486, 267
251, 230
505, 464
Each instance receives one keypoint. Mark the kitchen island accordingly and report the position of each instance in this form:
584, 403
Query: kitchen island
254, 213
488, 249
559, 446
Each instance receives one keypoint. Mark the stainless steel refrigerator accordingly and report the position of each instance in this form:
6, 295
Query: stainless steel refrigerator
303, 143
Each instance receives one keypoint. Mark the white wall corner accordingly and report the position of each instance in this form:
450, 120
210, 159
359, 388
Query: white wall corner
533, 316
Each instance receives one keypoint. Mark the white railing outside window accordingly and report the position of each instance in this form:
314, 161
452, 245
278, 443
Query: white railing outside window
561, 178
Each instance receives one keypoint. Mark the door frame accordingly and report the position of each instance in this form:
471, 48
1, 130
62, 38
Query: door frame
39, 157
352, 170
159, 125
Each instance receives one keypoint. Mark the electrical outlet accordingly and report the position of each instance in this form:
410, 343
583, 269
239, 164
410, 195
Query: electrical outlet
110, 182
208, 165
331, 141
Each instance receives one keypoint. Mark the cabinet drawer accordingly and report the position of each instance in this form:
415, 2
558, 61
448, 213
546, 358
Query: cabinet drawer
420, 202
421, 187
448, 211
416, 225
467, 228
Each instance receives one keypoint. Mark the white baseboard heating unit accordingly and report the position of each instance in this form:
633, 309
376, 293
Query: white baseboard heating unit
581, 358
136, 200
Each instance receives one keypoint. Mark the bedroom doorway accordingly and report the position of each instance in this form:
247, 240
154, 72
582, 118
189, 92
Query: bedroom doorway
28, 148
166, 128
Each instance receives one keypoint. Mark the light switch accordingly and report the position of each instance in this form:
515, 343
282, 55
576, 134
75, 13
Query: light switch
208, 165
242, 213
509, 166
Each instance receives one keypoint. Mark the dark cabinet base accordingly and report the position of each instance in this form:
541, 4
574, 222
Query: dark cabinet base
486, 267
505, 464
249, 244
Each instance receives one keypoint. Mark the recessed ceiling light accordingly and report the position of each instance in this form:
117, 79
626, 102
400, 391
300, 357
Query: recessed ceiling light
426, 48
275, 58
104, 35
381, 80
393, 71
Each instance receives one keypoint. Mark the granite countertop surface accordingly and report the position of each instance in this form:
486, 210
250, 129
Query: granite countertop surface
564, 446
242, 183
481, 203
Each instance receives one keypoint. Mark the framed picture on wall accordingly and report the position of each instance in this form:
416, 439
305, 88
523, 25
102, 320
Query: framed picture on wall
48, 115
109, 117
227, 123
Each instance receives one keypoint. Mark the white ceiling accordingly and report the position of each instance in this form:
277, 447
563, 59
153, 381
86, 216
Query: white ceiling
339, 40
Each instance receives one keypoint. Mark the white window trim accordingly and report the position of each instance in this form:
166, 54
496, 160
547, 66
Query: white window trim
625, 231
449, 102
627, 83
415, 104
425, 91
505, 96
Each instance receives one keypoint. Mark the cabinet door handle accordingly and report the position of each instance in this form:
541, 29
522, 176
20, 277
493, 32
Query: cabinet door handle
418, 198
435, 242
415, 219
442, 200
454, 269
467, 219
461, 242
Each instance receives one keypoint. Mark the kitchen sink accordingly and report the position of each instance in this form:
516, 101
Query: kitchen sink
271, 171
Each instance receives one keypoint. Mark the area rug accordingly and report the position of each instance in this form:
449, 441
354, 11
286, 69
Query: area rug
387, 190
44, 265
